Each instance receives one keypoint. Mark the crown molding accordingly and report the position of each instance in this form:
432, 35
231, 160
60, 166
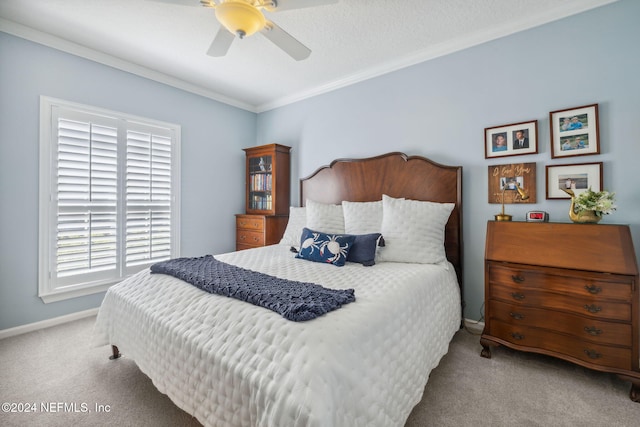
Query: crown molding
443, 49
562, 11
76, 49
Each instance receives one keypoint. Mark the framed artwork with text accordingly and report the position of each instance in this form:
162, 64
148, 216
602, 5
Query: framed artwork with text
504, 179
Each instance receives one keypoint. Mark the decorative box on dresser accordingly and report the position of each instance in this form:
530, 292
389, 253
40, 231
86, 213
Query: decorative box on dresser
267, 196
564, 290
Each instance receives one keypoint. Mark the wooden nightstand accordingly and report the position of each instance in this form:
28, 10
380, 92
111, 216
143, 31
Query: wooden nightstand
253, 231
564, 290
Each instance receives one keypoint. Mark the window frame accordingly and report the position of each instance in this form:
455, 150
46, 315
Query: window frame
49, 290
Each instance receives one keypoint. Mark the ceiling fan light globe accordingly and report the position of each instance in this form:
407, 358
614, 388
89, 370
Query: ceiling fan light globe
240, 18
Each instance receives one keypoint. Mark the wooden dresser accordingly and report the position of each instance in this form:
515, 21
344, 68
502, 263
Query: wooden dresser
253, 231
564, 290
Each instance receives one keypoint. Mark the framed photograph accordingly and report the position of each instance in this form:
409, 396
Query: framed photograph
511, 140
574, 132
504, 178
578, 177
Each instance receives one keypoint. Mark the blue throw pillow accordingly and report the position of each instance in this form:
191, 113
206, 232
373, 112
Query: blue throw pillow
328, 248
364, 248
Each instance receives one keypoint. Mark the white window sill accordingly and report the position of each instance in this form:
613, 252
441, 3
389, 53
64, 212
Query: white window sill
63, 294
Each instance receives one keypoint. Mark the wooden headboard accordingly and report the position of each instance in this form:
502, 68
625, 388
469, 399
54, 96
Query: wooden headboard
396, 175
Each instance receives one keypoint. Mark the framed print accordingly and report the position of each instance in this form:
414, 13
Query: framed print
574, 132
578, 177
511, 140
504, 178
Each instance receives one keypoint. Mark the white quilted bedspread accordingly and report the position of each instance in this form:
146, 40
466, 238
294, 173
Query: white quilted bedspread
230, 363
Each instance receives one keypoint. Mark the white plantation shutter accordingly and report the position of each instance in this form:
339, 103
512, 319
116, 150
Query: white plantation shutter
148, 196
87, 195
108, 202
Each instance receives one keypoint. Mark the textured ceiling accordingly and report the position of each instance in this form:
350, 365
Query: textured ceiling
350, 41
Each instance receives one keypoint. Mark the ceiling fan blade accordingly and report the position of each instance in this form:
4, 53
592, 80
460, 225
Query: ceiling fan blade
285, 41
295, 4
221, 43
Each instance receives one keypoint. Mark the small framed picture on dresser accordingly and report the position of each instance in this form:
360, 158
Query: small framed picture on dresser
578, 177
574, 132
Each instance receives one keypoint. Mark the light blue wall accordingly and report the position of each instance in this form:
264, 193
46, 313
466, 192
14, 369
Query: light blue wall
212, 161
439, 109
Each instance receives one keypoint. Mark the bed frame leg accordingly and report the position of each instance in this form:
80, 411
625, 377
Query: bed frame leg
115, 353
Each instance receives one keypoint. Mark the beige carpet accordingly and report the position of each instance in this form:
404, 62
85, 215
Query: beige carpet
57, 365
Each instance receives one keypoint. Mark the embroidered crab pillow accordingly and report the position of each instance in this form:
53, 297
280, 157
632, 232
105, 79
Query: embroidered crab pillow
328, 248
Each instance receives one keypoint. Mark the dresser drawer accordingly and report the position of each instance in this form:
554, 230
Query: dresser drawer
250, 238
586, 306
596, 331
617, 357
241, 247
596, 285
250, 223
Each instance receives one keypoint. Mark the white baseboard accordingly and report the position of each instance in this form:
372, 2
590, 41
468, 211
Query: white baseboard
474, 325
30, 327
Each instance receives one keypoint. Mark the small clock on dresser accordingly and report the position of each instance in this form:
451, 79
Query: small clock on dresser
564, 290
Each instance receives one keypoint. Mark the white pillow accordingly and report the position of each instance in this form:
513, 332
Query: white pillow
324, 217
293, 232
413, 230
362, 217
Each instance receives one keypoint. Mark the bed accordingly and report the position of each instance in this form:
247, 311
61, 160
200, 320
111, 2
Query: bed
230, 363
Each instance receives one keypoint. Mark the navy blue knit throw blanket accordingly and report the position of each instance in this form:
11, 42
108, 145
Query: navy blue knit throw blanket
297, 301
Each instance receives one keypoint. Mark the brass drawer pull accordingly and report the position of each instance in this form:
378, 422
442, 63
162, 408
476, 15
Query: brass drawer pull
516, 316
517, 336
517, 295
592, 353
593, 289
592, 308
517, 279
592, 330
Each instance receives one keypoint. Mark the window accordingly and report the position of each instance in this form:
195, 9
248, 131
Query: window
109, 202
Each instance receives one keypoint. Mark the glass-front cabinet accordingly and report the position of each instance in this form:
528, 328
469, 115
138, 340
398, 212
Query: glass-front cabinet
268, 180
267, 197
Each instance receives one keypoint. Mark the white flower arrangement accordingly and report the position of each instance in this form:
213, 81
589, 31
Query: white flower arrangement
601, 202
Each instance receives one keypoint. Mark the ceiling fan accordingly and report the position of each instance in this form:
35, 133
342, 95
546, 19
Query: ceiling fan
244, 18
